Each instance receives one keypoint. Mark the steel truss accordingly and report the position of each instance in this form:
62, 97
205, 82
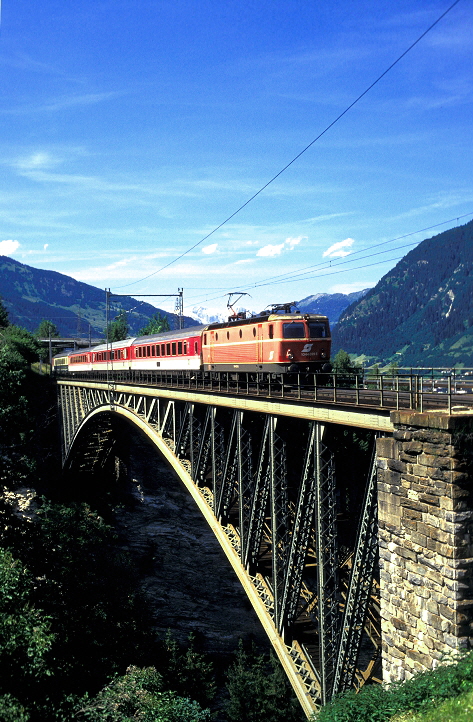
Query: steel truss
274, 505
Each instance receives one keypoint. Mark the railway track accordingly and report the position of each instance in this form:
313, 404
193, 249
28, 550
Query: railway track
397, 392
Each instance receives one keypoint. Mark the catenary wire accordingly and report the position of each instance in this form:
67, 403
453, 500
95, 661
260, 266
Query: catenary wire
328, 127
281, 278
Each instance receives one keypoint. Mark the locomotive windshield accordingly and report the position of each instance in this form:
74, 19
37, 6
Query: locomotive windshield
317, 330
293, 330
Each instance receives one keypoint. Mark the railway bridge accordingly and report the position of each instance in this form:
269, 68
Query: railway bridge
346, 513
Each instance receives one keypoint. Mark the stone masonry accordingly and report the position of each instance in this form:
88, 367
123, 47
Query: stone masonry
425, 506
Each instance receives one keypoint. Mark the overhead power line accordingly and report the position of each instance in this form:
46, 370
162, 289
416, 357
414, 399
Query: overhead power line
339, 117
296, 274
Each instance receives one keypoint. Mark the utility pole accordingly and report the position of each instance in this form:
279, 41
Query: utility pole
50, 350
179, 307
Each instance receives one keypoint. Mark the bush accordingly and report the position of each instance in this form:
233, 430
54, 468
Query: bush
25, 636
139, 696
379, 704
259, 690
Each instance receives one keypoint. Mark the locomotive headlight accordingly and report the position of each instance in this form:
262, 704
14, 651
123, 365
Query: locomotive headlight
323, 354
289, 354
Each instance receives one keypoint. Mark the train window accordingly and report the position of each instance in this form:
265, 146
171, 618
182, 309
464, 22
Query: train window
216, 336
317, 330
158, 350
228, 334
271, 331
195, 348
293, 330
153, 350
163, 350
179, 348
174, 348
254, 331
168, 349
241, 333
205, 339
185, 348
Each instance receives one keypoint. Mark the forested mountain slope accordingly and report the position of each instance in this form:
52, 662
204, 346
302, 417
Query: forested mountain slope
31, 294
421, 312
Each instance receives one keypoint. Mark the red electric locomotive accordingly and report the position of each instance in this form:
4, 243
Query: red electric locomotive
273, 342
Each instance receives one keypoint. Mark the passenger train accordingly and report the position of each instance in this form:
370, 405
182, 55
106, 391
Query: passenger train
276, 341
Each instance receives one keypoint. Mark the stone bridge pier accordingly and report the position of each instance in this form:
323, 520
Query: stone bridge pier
425, 515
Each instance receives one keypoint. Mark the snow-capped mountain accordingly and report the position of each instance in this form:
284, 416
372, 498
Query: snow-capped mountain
205, 315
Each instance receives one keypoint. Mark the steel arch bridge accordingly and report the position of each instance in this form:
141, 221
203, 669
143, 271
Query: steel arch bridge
302, 542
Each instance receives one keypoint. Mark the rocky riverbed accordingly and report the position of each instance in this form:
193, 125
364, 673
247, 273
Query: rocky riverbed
184, 572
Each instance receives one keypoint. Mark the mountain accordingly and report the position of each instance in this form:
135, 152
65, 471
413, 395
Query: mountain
329, 304
421, 312
205, 315
31, 295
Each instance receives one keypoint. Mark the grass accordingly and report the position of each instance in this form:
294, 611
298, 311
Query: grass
459, 709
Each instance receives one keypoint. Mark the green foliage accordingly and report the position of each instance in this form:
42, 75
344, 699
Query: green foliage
25, 636
118, 328
4, 322
46, 329
156, 324
342, 362
19, 346
378, 704
459, 709
259, 690
187, 671
11, 710
138, 695
86, 585
15, 462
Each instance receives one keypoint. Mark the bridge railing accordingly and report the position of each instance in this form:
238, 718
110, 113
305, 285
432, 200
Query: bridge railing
442, 389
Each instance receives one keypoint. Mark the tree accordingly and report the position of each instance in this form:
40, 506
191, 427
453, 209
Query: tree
25, 636
139, 695
342, 362
259, 690
156, 324
117, 330
47, 329
187, 671
4, 322
20, 346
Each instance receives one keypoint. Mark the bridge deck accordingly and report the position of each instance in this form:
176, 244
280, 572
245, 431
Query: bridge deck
348, 414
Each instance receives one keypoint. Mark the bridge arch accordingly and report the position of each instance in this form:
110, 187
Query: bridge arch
279, 535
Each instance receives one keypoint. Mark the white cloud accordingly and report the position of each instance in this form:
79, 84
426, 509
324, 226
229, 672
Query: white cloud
276, 250
291, 243
36, 161
271, 250
45, 246
210, 249
8, 247
337, 249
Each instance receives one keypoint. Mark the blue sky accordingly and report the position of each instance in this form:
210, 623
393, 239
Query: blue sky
131, 129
